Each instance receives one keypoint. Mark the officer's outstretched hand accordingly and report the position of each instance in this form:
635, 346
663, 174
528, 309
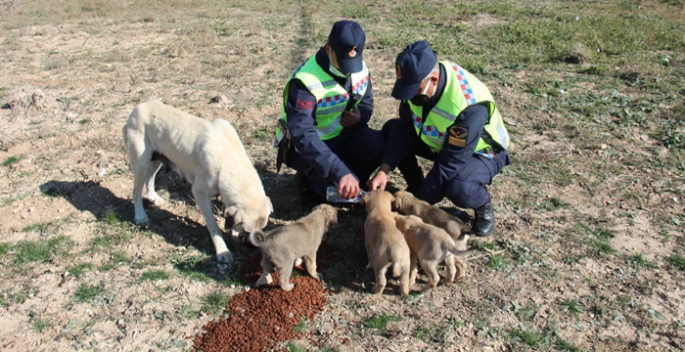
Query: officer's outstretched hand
350, 118
348, 187
380, 180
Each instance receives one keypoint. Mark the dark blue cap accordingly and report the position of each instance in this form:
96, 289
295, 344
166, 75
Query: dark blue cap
413, 64
347, 40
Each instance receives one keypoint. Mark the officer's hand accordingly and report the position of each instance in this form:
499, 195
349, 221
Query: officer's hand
350, 118
348, 187
379, 181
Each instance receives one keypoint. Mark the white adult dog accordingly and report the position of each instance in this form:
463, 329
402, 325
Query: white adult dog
207, 154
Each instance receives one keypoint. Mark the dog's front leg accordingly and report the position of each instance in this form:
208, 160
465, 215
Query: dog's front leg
204, 202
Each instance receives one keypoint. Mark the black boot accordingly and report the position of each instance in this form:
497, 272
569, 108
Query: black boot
484, 219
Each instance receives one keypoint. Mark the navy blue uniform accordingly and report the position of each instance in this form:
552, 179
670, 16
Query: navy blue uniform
356, 150
458, 173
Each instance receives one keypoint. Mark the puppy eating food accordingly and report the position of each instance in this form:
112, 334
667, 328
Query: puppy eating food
407, 204
385, 245
284, 245
431, 245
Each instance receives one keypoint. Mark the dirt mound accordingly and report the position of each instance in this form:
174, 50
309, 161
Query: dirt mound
261, 318
28, 100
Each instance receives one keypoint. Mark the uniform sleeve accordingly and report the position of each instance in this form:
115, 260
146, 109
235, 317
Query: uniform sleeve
457, 149
299, 109
401, 139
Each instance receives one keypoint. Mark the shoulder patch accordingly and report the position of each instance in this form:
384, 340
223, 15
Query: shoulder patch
457, 136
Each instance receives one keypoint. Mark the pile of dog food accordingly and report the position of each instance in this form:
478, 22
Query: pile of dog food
261, 318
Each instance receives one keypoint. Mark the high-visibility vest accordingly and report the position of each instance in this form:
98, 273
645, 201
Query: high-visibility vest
462, 89
331, 97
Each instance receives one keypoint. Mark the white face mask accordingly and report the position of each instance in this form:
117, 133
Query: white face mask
332, 68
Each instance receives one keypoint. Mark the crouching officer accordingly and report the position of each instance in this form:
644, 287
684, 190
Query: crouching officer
323, 132
446, 115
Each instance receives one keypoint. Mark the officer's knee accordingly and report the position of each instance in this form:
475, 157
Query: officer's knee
387, 127
465, 194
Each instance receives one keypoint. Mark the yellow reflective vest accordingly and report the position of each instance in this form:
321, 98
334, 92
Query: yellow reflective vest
462, 89
331, 97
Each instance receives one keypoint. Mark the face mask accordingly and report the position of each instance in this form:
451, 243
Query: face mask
332, 68
421, 99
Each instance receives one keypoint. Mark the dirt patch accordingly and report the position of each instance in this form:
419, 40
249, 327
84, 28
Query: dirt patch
30, 100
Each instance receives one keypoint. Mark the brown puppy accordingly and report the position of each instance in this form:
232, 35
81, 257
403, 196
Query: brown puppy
431, 245
385, 245
407, 204
284, 245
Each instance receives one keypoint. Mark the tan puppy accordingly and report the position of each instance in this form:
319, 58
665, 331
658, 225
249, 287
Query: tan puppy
407, 204
284, 245
207, 154
431, 245
385, 245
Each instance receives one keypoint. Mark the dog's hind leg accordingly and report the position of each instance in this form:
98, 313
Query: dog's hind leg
152, 195
430, 267
204, 202
268, 268
381, 281
450, 268
413, 268
284, 277
310, 262
139, 155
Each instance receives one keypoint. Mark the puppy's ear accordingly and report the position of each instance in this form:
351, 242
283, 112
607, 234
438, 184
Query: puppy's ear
364, 199
271, 206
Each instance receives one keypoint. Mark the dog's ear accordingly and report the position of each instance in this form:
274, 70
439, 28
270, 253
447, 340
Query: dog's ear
271, 206
232, 212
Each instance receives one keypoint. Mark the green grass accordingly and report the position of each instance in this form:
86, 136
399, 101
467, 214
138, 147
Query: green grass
677, 260
430, 334
39, 226
195, 266
87, 292
528, 336
154, 275
571, 305
214, 302
13, 160
17, 295
497, 262
380, 322
79, 269
638, 261
4, 248
41, 250
301, 326
117, 258
41, 324
293, 347
112, 219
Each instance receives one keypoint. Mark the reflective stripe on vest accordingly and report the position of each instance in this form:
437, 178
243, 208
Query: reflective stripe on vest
461, 90
331, 98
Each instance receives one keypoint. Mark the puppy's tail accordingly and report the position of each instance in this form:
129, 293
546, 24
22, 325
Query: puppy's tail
256, 237
397, 268
453, 249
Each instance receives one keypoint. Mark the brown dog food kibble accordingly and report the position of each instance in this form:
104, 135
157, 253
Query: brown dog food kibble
261, 318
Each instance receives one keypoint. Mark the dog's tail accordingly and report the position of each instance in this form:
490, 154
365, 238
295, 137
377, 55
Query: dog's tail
396, 269
449, 246
256, 237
